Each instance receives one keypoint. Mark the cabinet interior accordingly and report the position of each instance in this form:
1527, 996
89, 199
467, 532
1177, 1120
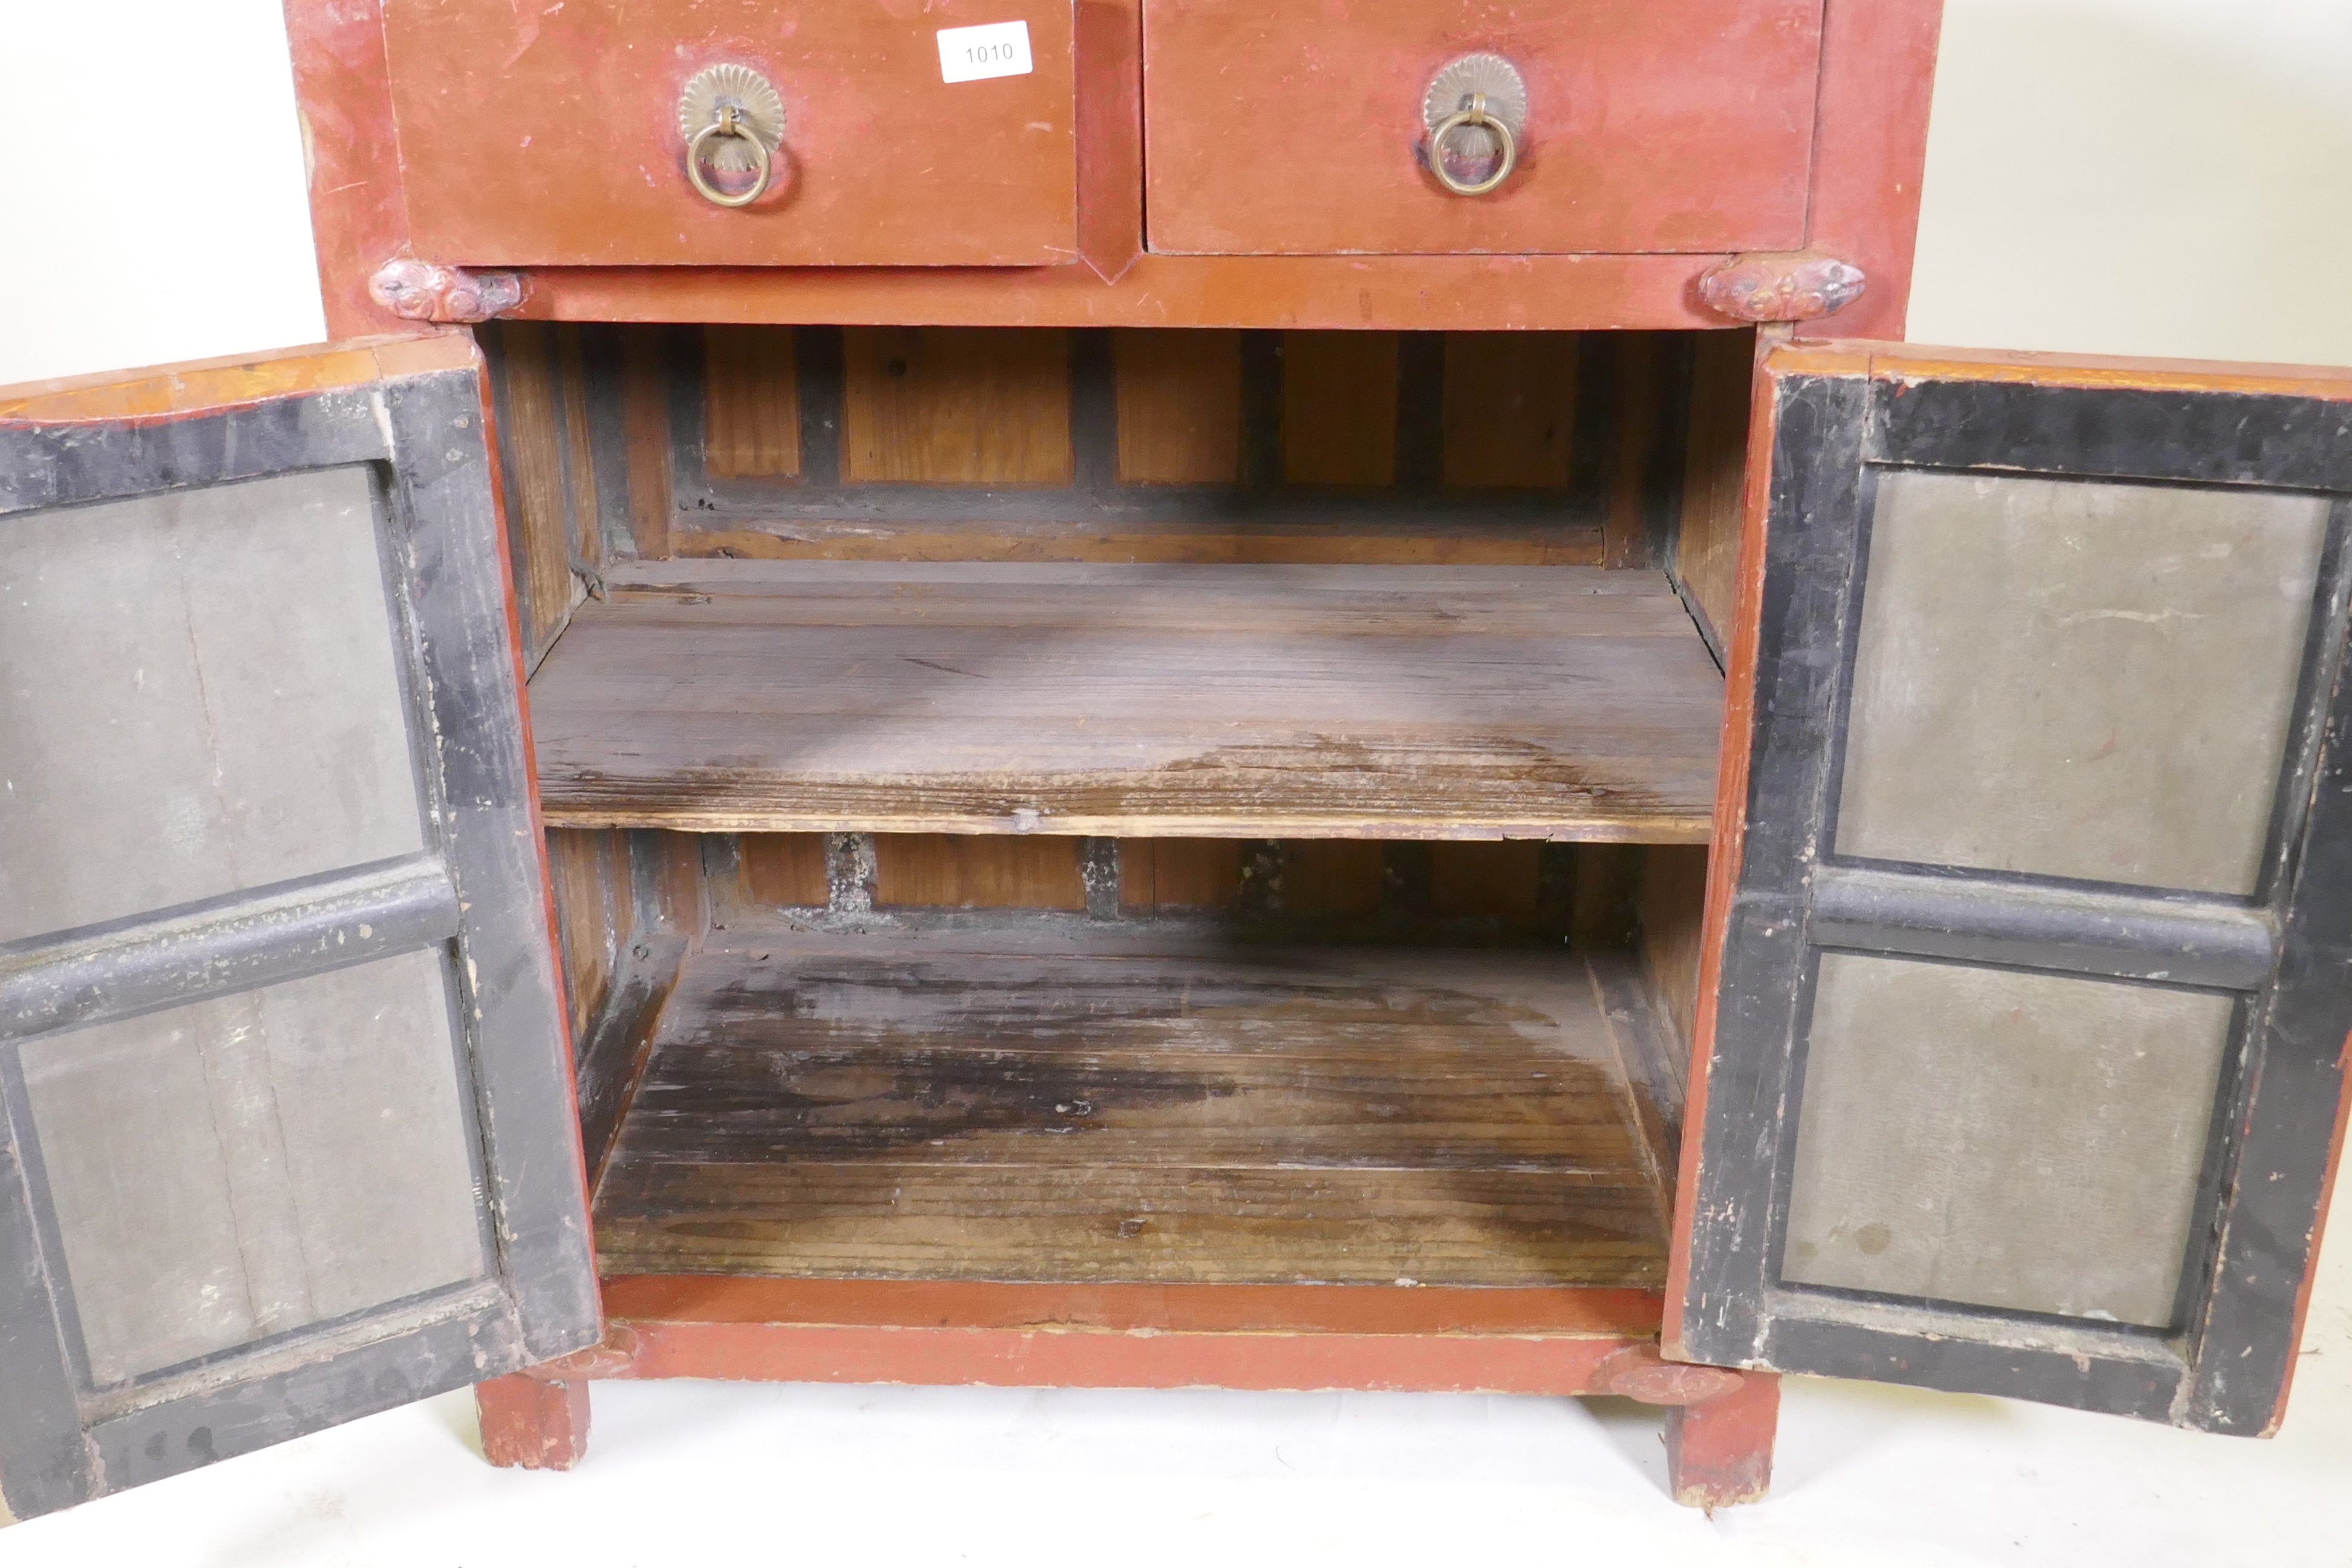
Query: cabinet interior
1178, 806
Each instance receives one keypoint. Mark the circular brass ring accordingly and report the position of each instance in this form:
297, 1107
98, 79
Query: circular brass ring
729, 123
1475, 114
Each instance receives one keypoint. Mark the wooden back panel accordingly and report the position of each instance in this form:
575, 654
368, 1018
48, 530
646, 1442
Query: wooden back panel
909, 444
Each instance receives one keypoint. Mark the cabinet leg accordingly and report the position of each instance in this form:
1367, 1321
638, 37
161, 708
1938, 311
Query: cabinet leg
1720, 1453
533, 1424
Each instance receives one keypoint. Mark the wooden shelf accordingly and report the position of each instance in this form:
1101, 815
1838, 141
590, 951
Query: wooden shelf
1162, 701
959, 1107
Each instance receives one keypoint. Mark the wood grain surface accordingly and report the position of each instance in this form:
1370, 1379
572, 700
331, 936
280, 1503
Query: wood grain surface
1155, 701
551, 138
751, 421
1681, 125
861, 1108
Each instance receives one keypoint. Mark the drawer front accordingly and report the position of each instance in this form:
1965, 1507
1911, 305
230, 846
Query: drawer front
1650, 125
533, 134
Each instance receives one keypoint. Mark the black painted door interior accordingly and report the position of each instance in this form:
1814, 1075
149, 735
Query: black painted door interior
287, 1135
2029, 955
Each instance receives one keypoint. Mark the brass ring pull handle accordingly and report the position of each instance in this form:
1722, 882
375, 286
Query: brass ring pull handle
1475, 114
733, 121
729, 123
1475, 109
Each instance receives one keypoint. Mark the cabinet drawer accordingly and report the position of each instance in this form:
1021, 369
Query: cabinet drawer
535, 135
1668, 125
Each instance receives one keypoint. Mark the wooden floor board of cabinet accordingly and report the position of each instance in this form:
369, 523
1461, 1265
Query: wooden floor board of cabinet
1411, 702
1184, 1110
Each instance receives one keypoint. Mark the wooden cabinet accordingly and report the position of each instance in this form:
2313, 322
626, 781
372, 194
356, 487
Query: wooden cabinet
1594, 832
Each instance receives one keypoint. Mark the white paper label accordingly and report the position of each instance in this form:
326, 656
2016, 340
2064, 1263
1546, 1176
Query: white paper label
975, 54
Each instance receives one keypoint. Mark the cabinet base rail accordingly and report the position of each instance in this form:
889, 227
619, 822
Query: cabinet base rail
1719, 1427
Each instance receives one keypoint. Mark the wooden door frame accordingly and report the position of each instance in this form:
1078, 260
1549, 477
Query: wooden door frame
1827, 420
415, 414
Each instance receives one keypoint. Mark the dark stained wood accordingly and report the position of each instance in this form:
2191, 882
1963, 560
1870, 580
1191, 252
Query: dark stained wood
644, 416
1672, 904
784, 868
1213, 701
1296, 1115
1324, 877
1511, 408
539, 525
1180, 407
1642, 375
1338, 408
751, 406
583, 505
956, 406
941, 870
1488, 878
611, 1049
592, 914
1606, 884
1652, 1060
1715, 473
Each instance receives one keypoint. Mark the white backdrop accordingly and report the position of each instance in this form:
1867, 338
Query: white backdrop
2129, 176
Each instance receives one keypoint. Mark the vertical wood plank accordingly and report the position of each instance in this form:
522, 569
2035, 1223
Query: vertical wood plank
1421, 410
1642, 386
1603, 911
1136, 866
1338, 408
1170, 876
752, 411
592, 913
950, 870
1714, 470
538, 525
586, 537
1497, 878
1511, 408
644, 409
1673, 903
1180, 406
783, 868
956, 406
1332, 877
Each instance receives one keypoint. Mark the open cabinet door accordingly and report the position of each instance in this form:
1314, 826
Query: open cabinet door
288, 1135
2019, 1058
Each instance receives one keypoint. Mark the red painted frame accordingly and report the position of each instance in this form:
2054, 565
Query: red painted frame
1878, 65
1260, 1337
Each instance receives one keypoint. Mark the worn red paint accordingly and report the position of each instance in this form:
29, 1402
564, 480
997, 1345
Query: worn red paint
1720, 1453
532, 1425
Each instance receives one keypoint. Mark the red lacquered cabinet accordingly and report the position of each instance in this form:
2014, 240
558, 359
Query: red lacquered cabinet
1155, 695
